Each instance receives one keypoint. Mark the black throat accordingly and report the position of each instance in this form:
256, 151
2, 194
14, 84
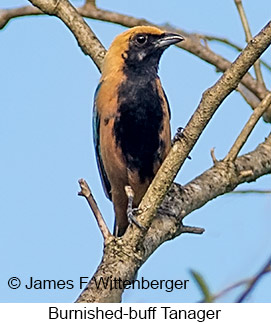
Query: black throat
138, 123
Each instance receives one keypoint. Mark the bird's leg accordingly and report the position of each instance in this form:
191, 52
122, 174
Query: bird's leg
131, 212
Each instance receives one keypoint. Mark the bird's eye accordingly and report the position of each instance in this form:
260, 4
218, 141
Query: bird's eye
141, 39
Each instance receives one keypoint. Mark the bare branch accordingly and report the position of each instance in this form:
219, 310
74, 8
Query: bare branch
85, 37
249, 96
265, 64
7, 14
229, 43
249, 282
253, 281
86, 192
221, 40
230, 288
254, 118
251, 192
91, 3
244, 20
194, 230
248, 34
212, 152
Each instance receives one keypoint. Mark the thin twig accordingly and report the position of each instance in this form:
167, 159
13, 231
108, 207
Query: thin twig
248, 35
265, 64
248, 96
249, 282
221, 40
244, 20
212, 152
253, 281
242, 138
91, 2
251, 192
86, 192
194, 230
231, 44
230, 288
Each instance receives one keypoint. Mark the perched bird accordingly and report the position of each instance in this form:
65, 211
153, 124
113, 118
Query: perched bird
131, 117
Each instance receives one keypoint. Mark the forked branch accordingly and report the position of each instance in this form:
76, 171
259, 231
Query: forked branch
86, 192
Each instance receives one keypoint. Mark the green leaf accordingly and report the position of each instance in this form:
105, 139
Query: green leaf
203, 286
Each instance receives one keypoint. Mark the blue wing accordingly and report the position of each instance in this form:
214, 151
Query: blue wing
96, 138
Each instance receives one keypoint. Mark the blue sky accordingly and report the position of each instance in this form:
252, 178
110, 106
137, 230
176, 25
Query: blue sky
47, 88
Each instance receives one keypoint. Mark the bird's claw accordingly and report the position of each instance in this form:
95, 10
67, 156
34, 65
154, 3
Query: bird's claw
132, 212
179, 134
131, 215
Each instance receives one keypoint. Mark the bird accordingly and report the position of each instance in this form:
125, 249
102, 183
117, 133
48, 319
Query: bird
131, 118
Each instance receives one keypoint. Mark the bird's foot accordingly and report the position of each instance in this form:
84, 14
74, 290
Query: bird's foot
179, 135
131, 215
132, 212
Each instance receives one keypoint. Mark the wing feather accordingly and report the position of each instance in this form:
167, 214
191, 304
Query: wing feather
96, 138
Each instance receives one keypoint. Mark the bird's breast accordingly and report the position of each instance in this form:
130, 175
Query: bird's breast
138, 126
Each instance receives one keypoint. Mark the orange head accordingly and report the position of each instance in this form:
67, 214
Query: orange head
138, 46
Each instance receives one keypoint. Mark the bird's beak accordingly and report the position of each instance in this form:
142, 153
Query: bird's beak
168, 39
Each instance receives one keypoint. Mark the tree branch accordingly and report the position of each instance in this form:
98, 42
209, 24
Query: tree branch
7, 14
85, 37
249, 282
254, 280
86, 192
251, 192
248, 34
248, 96
246, 131
212, 152
225, 41
91, 2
